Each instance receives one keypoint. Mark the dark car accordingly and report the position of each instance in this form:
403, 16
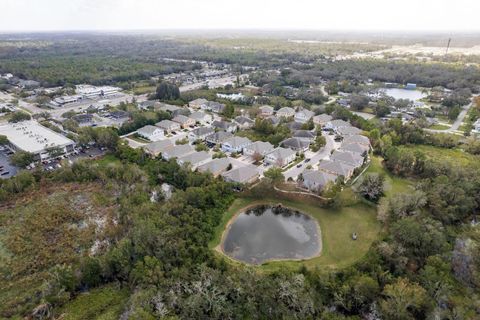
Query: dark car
307, 160
299, 165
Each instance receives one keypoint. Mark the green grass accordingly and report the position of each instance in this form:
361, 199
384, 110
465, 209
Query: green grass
439, 127
107, 159
455, 157
393, 184
102, 303
337, 226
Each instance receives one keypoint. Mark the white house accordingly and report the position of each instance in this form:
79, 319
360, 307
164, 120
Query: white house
151, 133
258, 147
235, 144
285, 112
280, 157
304, 115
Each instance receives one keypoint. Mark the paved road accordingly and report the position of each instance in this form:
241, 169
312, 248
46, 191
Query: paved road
461, 116
293, 172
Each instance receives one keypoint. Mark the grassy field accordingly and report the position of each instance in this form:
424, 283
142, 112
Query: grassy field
439, 127
393, 184
455, 157
337, 226
102, 303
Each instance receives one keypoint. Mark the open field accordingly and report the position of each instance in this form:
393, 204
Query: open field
455, 157
393, 184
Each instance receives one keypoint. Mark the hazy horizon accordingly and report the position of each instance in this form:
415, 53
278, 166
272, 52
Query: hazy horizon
249, 15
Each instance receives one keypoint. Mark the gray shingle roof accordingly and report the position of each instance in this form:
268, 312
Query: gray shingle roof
260, 147
178, 151
158, 146
349, 158
215, 166
195, 157
338, 168
357, 139
148, 129
295, 143
241, 174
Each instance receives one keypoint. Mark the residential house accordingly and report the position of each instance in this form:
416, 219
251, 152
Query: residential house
322, 119
218, 138
315, 181
411, 86
157, 147
258, 147
348, 158
305, 135
201, 117
198, 103
168, 125
225, 125
235, 144
244, 175
335, 124
356, 148
348, 131
177, 151
336, 168
244, 122
151, 133
285, 112
216, 167
293, 125
304, 115
213, 106
167, 107
296, 144
357, 139
266, 111
275, 121
195, 159
280, 157
200, 133
184, 121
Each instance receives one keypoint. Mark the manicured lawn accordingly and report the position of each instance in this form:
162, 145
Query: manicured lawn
102, 303
337, 226
439, 127
107, 159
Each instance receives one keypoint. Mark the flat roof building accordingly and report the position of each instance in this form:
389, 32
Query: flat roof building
32, 137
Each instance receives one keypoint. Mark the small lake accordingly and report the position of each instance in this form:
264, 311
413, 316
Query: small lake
267, 232
413, 95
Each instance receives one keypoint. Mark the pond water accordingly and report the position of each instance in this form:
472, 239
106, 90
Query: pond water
269, 232
413, 95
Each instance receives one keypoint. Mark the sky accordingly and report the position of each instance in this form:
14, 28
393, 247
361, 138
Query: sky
361, 15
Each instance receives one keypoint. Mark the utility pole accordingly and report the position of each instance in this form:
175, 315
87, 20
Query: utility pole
448, 45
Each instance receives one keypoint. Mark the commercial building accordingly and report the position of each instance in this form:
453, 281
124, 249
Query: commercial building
32, 137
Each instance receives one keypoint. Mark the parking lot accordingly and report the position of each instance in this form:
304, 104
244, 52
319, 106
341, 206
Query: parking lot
7, 170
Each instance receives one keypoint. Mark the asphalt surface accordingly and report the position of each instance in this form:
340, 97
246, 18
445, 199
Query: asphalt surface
7, 166
324, 152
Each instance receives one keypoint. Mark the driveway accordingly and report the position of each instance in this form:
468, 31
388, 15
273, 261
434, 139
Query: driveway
324, 152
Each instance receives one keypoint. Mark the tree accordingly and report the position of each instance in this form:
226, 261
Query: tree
404, 301
167, 91
320, 142
3, 140
22, 158
358, 102
371, 186
228, 111
54, 152
18, 116
274, 174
